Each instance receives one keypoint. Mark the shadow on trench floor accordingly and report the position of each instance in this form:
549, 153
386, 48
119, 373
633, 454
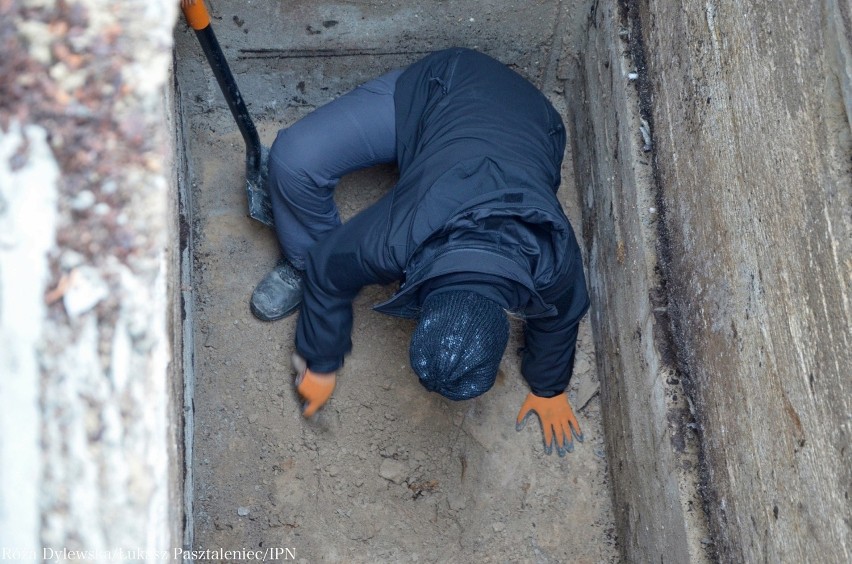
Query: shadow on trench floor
387, 471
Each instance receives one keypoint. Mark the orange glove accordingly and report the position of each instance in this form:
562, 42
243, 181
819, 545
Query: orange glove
313, 387
556, 418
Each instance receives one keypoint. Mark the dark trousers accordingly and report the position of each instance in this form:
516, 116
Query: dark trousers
308, 159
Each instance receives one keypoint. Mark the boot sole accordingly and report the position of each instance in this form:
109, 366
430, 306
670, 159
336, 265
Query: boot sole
260, 315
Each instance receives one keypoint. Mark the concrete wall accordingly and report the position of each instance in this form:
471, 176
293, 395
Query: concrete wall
652, 447
751, 106
747, 112
89, 422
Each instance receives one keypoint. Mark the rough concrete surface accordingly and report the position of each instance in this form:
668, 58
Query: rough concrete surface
387, 471
87, 458
750, 106
653, 449
22, 280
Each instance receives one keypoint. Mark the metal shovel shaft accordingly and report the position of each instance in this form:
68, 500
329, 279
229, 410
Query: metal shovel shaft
258, 198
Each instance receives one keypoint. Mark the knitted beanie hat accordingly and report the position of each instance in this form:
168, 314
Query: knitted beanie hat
458, 343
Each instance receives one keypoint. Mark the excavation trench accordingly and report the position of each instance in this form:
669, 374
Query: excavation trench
708, 176
387, 471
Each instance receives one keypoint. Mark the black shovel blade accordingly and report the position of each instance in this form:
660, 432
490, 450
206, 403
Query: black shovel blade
259, 203
259, 206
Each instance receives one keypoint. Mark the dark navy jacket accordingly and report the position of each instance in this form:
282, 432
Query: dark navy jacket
479, 151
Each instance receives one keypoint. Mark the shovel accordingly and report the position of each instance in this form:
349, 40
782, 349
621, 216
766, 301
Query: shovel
259, 206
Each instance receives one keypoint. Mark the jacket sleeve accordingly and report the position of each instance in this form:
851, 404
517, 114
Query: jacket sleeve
347, 259
548, 360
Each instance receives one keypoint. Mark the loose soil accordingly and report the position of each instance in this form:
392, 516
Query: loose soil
386, 472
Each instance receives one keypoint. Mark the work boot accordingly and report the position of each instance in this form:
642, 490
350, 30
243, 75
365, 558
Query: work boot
279, 293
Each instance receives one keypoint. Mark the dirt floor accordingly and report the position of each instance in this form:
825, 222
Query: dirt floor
387, 472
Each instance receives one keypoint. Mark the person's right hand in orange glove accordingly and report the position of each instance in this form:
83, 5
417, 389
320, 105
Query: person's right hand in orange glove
314, 388
557, 421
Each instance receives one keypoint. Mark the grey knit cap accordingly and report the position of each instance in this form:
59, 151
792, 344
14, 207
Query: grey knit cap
458, 343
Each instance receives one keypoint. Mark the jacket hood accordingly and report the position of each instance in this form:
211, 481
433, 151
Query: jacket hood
512, 234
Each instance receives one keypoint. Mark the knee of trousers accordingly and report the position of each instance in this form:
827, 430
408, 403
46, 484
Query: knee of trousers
296, 168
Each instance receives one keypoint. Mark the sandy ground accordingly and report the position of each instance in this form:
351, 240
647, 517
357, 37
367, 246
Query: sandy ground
387, 472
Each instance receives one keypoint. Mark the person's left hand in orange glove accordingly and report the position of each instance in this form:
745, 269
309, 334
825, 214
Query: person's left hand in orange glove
314, 388
557, 419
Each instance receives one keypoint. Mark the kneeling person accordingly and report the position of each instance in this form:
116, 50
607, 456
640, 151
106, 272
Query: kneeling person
471, 230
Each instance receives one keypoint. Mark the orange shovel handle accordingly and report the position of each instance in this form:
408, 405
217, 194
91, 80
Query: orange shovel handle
196, 14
